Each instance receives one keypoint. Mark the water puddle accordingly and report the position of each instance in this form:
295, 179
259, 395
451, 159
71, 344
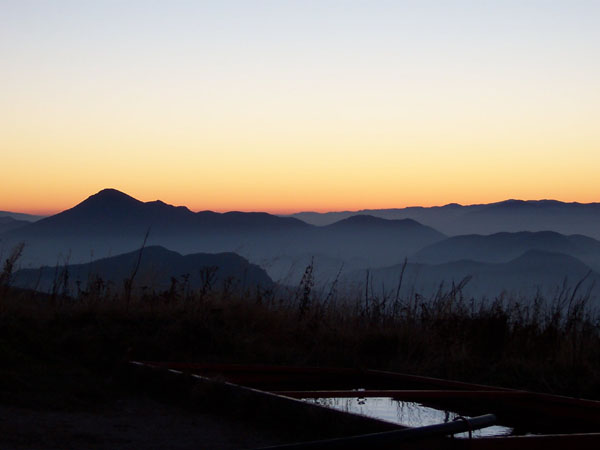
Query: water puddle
411, 414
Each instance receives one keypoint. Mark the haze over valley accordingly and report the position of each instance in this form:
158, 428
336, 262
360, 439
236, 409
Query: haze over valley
102, 237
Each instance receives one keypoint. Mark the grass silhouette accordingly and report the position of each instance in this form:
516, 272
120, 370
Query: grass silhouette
550, 345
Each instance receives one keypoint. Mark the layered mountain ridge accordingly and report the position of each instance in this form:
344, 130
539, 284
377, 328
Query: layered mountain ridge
111, 222
159, 269
509, 216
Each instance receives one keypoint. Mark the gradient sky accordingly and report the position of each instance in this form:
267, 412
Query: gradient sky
299, 105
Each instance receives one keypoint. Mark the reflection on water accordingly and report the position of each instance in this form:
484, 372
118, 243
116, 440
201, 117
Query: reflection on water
410, 414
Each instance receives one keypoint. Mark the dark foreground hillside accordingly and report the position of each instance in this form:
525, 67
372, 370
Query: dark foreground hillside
546, 345
63, 383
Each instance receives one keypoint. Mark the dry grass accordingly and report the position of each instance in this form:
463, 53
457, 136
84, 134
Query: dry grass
540, 344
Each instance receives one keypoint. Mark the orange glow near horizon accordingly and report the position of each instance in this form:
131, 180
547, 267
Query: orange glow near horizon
328, 172
286, 107
286, 209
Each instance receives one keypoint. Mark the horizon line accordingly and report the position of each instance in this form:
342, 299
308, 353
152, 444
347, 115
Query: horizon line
286, 212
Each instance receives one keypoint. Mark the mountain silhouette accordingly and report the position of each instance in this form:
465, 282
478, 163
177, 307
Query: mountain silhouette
545, 261
508, 215
522, 278
377, 241
8, 223
111, 212
356, 242
111, 222
365, 220
114, 223
21, 216
158, 266
502, 247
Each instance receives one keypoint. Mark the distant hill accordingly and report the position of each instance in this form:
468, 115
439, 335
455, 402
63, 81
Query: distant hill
347, 245
8, 223
110, 212
111, 222
532, 272
509, 215
157, 268
354, 223
21, 216
502, 247
377, 241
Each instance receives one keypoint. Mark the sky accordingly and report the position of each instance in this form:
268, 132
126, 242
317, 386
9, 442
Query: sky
286, 106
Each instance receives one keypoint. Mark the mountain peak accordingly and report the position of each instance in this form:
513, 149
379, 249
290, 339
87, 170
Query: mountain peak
537, 257
109, 197
111, 193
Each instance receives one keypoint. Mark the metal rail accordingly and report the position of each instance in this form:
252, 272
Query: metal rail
393, 437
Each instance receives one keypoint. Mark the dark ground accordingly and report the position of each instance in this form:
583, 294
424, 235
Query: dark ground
130, 422
61, 359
